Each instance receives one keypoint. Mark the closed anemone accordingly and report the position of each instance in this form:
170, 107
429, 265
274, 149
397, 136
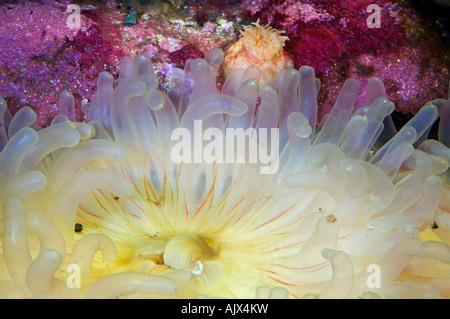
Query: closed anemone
350, 208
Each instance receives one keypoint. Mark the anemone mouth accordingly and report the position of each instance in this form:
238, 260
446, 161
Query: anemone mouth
317, 208
186, 250
151, 241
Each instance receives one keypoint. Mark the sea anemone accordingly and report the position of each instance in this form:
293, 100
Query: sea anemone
114, 207
260, 47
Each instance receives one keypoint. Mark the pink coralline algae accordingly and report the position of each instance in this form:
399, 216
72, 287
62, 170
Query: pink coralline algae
334, 38
180, 56
40, 56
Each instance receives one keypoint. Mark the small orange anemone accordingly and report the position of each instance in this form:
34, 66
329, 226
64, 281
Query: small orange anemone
259, 46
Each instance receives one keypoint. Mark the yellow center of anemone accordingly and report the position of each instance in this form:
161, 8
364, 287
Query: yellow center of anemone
212, 253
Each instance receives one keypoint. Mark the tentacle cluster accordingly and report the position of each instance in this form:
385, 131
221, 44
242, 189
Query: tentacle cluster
347, 208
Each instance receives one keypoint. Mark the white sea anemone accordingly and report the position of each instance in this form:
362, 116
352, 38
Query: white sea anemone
351, 211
